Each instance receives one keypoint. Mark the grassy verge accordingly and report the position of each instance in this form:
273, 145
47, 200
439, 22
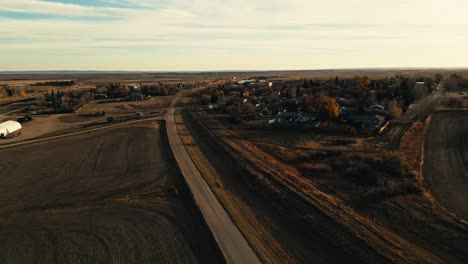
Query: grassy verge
268, 249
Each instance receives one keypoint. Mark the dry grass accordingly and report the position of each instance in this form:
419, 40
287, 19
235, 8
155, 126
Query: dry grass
247, 220
375, 235
111, 106
452, 102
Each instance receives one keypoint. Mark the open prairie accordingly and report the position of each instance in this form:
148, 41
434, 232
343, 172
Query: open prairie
114, 196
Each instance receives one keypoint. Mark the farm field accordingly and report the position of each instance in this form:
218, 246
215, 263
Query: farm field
446, 160
114, 196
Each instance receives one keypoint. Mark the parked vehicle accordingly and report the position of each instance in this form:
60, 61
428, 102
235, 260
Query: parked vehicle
25, 119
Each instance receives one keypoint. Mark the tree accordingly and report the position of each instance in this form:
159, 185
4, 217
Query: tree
247, 108
406, 90
362, 81
291, 93
307, 103
419, 91
291, 105
394, 110
326, 106
205, 99
451, 84
439, 77
456, 76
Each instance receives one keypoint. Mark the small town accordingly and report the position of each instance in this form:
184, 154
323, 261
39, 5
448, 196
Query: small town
233, 132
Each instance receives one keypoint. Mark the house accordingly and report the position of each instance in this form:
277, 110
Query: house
134, 96
133, 86
294, 117
100, 92
64, 99
308, 117
377, 107
365, 121
344, 110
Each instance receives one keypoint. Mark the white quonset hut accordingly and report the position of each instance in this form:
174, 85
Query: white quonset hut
9, 129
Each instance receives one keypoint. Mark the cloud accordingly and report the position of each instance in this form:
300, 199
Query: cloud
55, 8
334, 29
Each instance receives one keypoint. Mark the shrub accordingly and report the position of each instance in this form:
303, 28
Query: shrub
361, 173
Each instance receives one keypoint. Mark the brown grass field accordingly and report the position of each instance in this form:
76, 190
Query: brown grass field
112, 196
386, 210
276, 237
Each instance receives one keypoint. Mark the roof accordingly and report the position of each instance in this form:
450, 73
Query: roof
360, 117
347, 109
377, 106
288, 114
9, 127
306, 114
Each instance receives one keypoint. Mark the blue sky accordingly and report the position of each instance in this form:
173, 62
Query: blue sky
179, 35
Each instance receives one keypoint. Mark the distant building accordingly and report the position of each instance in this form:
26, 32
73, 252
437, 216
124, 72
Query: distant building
245, 81
294, 117
134, 86
344, 110
365, 121
376, 109
134, 96
9, 129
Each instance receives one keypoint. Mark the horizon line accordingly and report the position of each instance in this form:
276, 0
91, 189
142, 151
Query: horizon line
227, 71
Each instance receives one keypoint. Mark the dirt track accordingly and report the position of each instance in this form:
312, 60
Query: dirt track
106, 197
446, 161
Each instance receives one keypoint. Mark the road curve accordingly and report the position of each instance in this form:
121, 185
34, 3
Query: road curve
446, 160
231, 242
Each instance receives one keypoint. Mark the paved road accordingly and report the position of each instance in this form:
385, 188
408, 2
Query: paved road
446, 161
231, 242
417, 111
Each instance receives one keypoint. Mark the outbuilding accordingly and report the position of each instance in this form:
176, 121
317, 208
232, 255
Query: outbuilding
365, 121
9, 129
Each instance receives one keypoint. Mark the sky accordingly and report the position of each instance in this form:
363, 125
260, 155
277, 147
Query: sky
207, 35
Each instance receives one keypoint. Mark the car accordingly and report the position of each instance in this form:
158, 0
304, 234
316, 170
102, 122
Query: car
462, 93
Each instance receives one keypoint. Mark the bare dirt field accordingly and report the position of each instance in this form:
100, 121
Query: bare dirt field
446, 160
114, 196
115, 107
41, 125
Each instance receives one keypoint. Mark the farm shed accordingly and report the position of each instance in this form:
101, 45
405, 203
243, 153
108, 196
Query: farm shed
9, 129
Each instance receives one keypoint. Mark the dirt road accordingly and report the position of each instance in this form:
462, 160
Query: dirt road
446, 160
113, 196
231, 242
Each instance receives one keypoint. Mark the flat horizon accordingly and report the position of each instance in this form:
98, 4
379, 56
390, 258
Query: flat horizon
233, 71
